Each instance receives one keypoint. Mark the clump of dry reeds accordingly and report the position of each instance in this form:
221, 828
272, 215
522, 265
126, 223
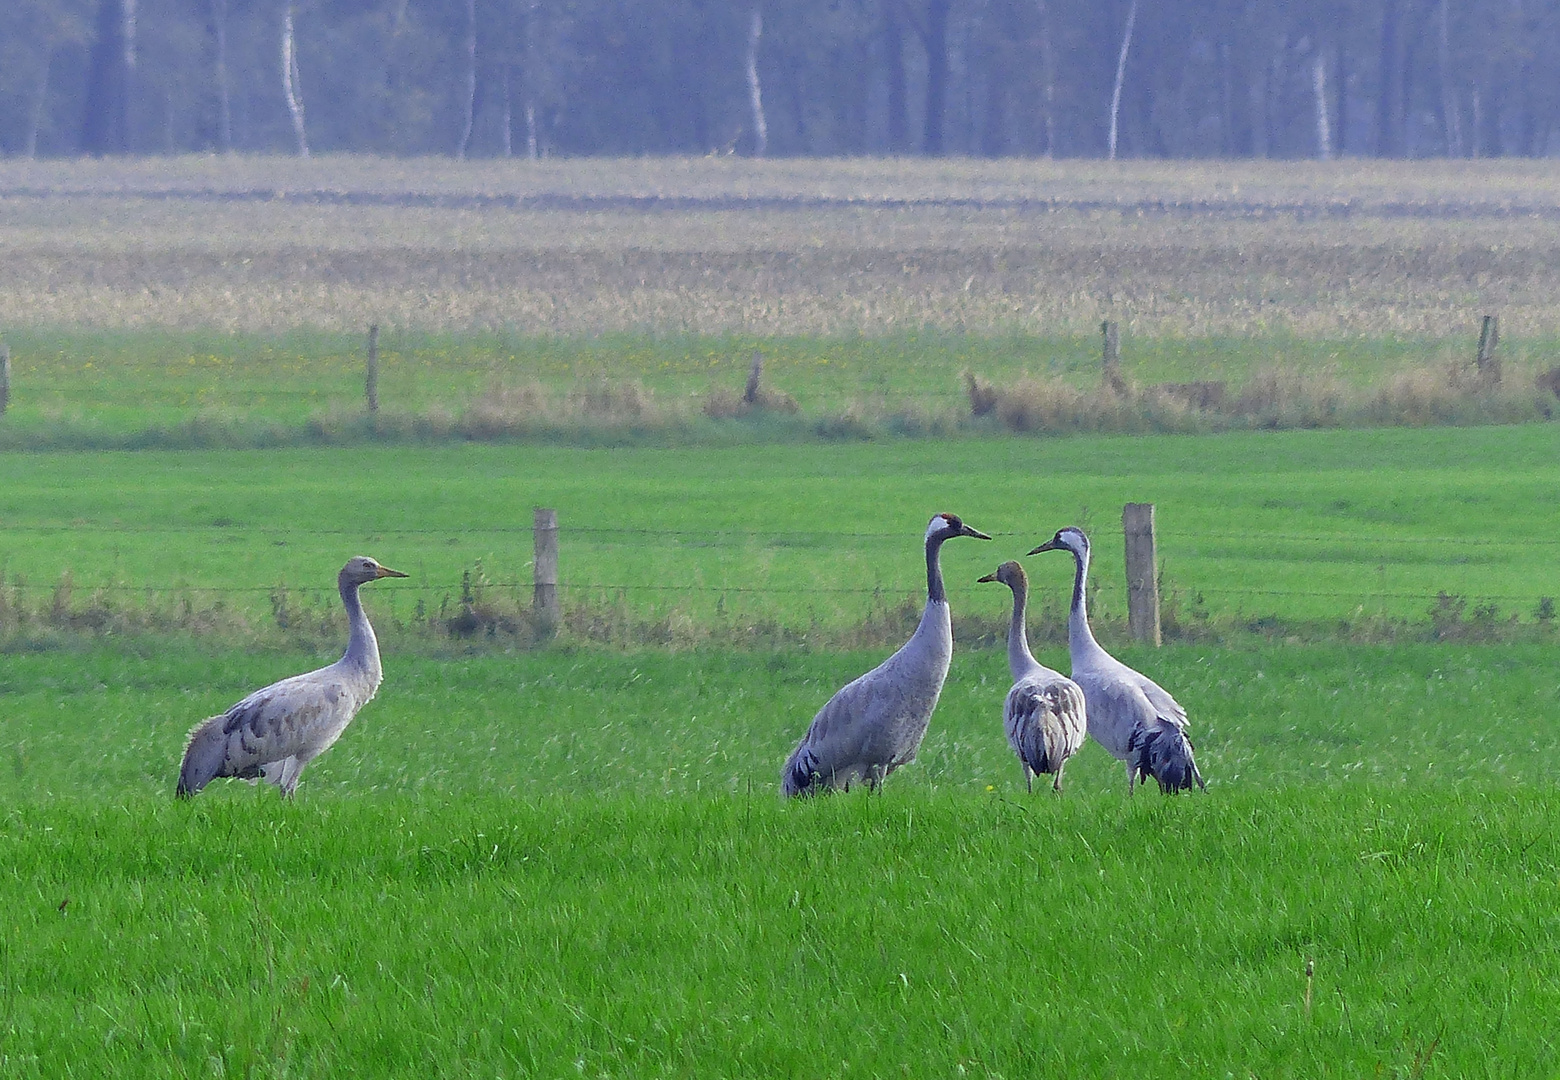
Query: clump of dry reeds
507, 411
1272, 398
724, 404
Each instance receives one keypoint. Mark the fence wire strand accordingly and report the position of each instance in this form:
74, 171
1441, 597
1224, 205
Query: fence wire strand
609, 536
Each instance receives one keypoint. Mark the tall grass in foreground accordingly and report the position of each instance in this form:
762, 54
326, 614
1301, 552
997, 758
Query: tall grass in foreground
910, 934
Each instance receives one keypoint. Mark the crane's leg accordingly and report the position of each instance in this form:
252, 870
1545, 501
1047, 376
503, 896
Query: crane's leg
1131, 778
1056, 785
1029, 778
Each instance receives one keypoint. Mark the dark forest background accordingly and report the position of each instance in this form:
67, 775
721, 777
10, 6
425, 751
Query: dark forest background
493, 78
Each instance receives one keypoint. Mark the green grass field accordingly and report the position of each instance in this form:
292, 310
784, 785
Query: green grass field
575, 859
571, 858
912, 935
114, 386
529, 865
1324, 526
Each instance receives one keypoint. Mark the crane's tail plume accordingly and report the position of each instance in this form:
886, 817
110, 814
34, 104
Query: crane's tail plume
203, 757
1165, 753
801, 775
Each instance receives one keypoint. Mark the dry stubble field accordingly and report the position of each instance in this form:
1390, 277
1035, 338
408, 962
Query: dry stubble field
724, 246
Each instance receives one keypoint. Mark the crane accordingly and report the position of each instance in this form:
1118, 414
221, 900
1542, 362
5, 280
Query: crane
274, 732
1044, 711
1129, 714
875, 724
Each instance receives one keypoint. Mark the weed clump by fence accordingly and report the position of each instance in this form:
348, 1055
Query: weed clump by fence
1271, 399
480, 614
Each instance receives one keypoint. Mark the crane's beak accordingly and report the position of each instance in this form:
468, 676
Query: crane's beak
385, 571
1049, 545
976, 533
988, 577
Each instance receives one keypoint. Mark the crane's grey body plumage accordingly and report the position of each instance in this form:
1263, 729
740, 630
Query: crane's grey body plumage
1044, 713
275, 732
875, 723
1129, 714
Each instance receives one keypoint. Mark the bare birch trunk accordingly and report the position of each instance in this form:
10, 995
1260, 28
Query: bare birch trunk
1121, 74
1451, 118
1477, 119
934, 37
509, 118
898, 122
1048, 78
531, 64
128, 12
292, 88
1257, 96
471, 81
224, 94
755, 92
40, 98
1324, 151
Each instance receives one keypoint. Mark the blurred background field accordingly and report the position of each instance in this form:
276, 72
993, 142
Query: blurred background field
780, 249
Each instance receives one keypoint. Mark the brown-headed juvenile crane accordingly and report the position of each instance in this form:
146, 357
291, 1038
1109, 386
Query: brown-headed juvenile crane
274, 732
1044, 712
875, 724
1129, 714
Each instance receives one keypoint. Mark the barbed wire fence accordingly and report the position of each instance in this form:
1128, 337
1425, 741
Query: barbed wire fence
478, 603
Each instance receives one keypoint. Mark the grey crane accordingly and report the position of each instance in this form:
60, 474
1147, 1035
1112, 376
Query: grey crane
875, 724
1044, 712
1129, 714
274, 732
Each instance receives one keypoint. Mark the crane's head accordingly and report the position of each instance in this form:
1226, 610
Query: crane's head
1010, 574
361, 569
947, 526
1068, 539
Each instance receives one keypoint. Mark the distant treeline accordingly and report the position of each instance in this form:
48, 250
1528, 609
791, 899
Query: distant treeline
491, 78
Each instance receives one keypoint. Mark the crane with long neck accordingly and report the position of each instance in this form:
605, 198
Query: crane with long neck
1044, 713
276, 731
875, 723
1129, 714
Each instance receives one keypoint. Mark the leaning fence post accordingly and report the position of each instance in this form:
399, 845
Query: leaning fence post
1137, 521
1489, 337
1111, 359
755, 373
371, 380
544, 600
5, 377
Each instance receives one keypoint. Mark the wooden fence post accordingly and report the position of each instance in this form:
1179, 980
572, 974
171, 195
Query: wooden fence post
544, 600
1137, 521
1489, 337
755, 373
5, 377
371, 387
1111, 359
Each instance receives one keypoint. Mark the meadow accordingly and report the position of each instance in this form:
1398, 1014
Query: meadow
1314, 532
543, 855
519, 866
526, 861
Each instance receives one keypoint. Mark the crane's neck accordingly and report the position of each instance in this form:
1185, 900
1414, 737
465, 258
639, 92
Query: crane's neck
362, 646
934, 580
1080, 639
1020, 661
